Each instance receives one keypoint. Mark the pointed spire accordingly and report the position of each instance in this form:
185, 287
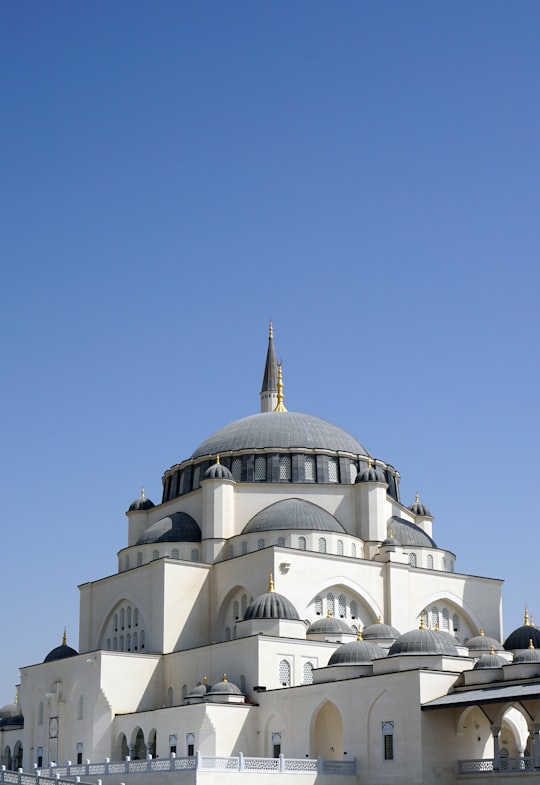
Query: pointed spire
271, 583
64, 639
269, 383
280, 405
417, 497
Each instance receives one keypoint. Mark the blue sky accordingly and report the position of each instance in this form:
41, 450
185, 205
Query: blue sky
175, 174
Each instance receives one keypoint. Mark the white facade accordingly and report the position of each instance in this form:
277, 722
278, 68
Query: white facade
340, 546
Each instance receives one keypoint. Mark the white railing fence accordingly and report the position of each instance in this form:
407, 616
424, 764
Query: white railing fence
488, 765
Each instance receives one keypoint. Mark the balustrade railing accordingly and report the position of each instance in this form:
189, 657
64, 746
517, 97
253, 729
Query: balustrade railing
489, 765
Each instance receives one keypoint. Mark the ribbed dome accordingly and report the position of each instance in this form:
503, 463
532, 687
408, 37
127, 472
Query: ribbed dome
356, 653
9, 710
529, 655
225, 688
371, 474
521, 637
280, 430
419, 509
330, 626
271, 605
176, 527
142, 503
218, 472
61, 652
293, 514
409, 534
423, 642
200, 691
483, 643
489, 661
380, 632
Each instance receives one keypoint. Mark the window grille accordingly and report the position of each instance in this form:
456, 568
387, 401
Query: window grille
340, 547
353, 550
243, 604
128, 642
342, 606
318, 606
127, 562
195, 554
170, 697
244, 548
322, 545
236, 610
115, 643
430, 561
354, 609
332, 470
139, 559
434, 617
135, 641
330, 603
284, 673
227, 633
136, 617
302, 543
353, 473
40, 713
308, 673
260, 468
236, 469
121, 647
175, 553
388, 740
281, 541
285, 467
260, 544
122, 619
455, 622
445, 620
309, 468
155, 555
129, 616
412, 559
116, 622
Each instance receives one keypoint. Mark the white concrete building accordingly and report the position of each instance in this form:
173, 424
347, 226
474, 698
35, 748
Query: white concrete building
282, 556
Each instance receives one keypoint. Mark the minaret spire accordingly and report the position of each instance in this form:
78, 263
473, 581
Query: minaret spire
270, 378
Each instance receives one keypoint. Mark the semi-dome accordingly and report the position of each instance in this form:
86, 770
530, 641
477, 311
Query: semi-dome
293, 514
330, 626
417, 508
409, 534
489, 660
176, 527
225, 687
271, 605
423, 641
61, 652
380, 632
483, 643
280, 430
142, 503
357, 652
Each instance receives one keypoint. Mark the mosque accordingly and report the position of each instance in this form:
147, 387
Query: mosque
282, 610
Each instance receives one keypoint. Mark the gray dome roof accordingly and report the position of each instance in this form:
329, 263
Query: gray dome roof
293, 514
225, 688
280, 430
218, 472
483, 643
371, 474
10, 710
176, 527
60, 653
530, 655
199, 691
419, 509
489, 661
330, 626
356, 653
423, 642
380, 632
409, 534
521, 638
142, 503
271, 605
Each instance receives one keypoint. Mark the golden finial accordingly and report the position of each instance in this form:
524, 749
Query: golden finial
280, 406
142, 493
271, 330
369, 463
417, 497
526, 617
64, 639
492, 650
328, 614
359, 636
224, 677
422, 625
205, 680
482, 633
16, 701
436, 626
390, 532
379, 619
217, 458
531, 644
271, 582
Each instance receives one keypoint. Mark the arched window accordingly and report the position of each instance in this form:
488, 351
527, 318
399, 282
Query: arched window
412, 559
175, 553
184, 691
281, 541
227, 633
129, 617
260, 544
39, 757
242, 684
108, 644
135, 641
342, 606
236, 610
244, 548
444, 565
196, 477
354, 609
128, 642
353, 550
284, 673
308, 673
455, 622
170, 697
330, 603
243, 604
121, 643
127, 561
434, 617
236, 469
79, 749
40, 713
322, 545
136, 617
260, 468
80, 708
430, 561
424, 618
122, 619
285, 468
182, 482
115, 643
142, 640
115, 625
445, 620
340, 548
195, 554
318, 606
309, 468
139, 559
332, 470
302, 543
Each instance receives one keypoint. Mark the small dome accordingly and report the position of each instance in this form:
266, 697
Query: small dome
218, 472
176, 527
390, 541
330, 626
357, 652
530, 654
61, 652
423, 641
419, 509
225, 688
271, 605
200, 691
9, 710
380, 632
409, 534
483, 643
490, 660
142, 503
293, 514
521, 637
371, 474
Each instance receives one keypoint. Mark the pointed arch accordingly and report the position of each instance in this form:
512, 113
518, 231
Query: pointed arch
326, 732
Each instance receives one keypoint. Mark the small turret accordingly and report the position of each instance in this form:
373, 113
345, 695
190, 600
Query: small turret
270, 379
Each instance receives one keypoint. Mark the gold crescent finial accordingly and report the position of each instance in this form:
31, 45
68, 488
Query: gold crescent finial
390, 532
280, 406
482, 631
359, 636
492, 650
422, 625
205, 680
64, 639
531, 644
224, 677
526, 617
328, 614
271, 582
417, 497
379, 619
142, 493
217, 458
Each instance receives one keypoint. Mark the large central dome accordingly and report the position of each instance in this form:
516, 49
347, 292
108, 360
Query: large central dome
284, 430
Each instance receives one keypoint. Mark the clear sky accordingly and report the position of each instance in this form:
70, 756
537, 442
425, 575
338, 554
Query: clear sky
175, 174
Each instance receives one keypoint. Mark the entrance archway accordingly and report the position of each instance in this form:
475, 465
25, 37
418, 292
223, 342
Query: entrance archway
327, 732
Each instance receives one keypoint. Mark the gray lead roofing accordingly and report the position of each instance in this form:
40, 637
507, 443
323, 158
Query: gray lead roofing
293, 514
